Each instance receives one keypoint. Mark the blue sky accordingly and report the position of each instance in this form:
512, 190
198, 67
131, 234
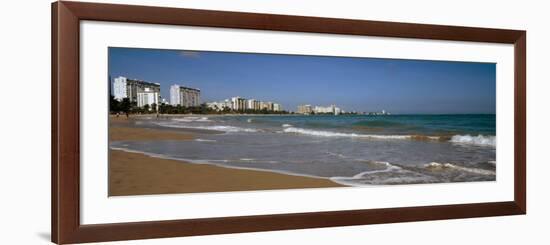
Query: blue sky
361, 84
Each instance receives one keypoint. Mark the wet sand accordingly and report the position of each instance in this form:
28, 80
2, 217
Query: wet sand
139, 174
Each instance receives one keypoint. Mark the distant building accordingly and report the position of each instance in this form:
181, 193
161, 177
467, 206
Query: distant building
226, 103
242, 104
337, 111
147, 97
266, 105
305, 109
238, 103
277, 107
253, 104
324, 109
214, 106
219, 106
308, 109
140, 92
175, 95
119, 88
184, 96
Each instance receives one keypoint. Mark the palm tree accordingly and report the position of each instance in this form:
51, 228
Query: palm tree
114, 105
125, 106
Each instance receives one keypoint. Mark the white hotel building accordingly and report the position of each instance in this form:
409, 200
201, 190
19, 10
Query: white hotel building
277, 107
238, 103
324, 109
184, 96
242, 104
308, 109
141, 92
253, 104
148, 97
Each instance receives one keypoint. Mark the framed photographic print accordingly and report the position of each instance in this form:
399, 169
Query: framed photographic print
177, 122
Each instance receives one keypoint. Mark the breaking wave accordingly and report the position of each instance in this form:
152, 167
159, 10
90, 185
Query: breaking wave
474, 140
221, 128
191, 119
479, 140
391, 175
354, 135
443, 166
205, 140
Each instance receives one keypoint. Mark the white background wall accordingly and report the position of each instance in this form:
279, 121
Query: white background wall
25, 123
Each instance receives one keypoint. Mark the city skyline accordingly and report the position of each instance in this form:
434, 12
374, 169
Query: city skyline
354, 84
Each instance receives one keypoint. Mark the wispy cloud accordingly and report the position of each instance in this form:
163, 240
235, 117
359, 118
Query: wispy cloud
190, 54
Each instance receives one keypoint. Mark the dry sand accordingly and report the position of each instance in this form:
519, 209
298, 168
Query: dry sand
139, 174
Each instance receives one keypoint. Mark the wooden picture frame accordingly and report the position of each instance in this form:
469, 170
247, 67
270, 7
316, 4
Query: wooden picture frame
66, 226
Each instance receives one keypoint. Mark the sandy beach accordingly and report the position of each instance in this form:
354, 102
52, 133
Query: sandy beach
139, 174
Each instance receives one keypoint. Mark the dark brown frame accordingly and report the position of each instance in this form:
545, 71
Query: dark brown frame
65, 175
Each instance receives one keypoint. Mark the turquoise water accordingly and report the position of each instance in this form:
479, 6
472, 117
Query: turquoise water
474, 124
353, 150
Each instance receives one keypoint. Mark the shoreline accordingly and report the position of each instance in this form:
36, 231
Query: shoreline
200, 162
139, 174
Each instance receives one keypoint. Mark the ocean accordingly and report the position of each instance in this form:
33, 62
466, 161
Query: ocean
353, 150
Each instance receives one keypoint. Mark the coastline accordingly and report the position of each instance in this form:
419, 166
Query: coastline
140, 174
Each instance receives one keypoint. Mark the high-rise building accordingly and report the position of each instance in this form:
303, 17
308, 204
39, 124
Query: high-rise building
253, 104
138, 91
277, 107
175, 95
337, 111
305, 109
184, 96
119, 88
148, 97
238, 103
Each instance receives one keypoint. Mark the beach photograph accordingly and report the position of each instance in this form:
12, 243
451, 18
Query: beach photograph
186, 121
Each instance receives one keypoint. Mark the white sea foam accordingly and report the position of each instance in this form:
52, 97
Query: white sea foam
461, 139
222, 128
389, 168
436, 165
286, 125
389, 176
320, 133
205, 140
247, 159
474, 140
385, 174
191, 119
249, 120
228, 128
